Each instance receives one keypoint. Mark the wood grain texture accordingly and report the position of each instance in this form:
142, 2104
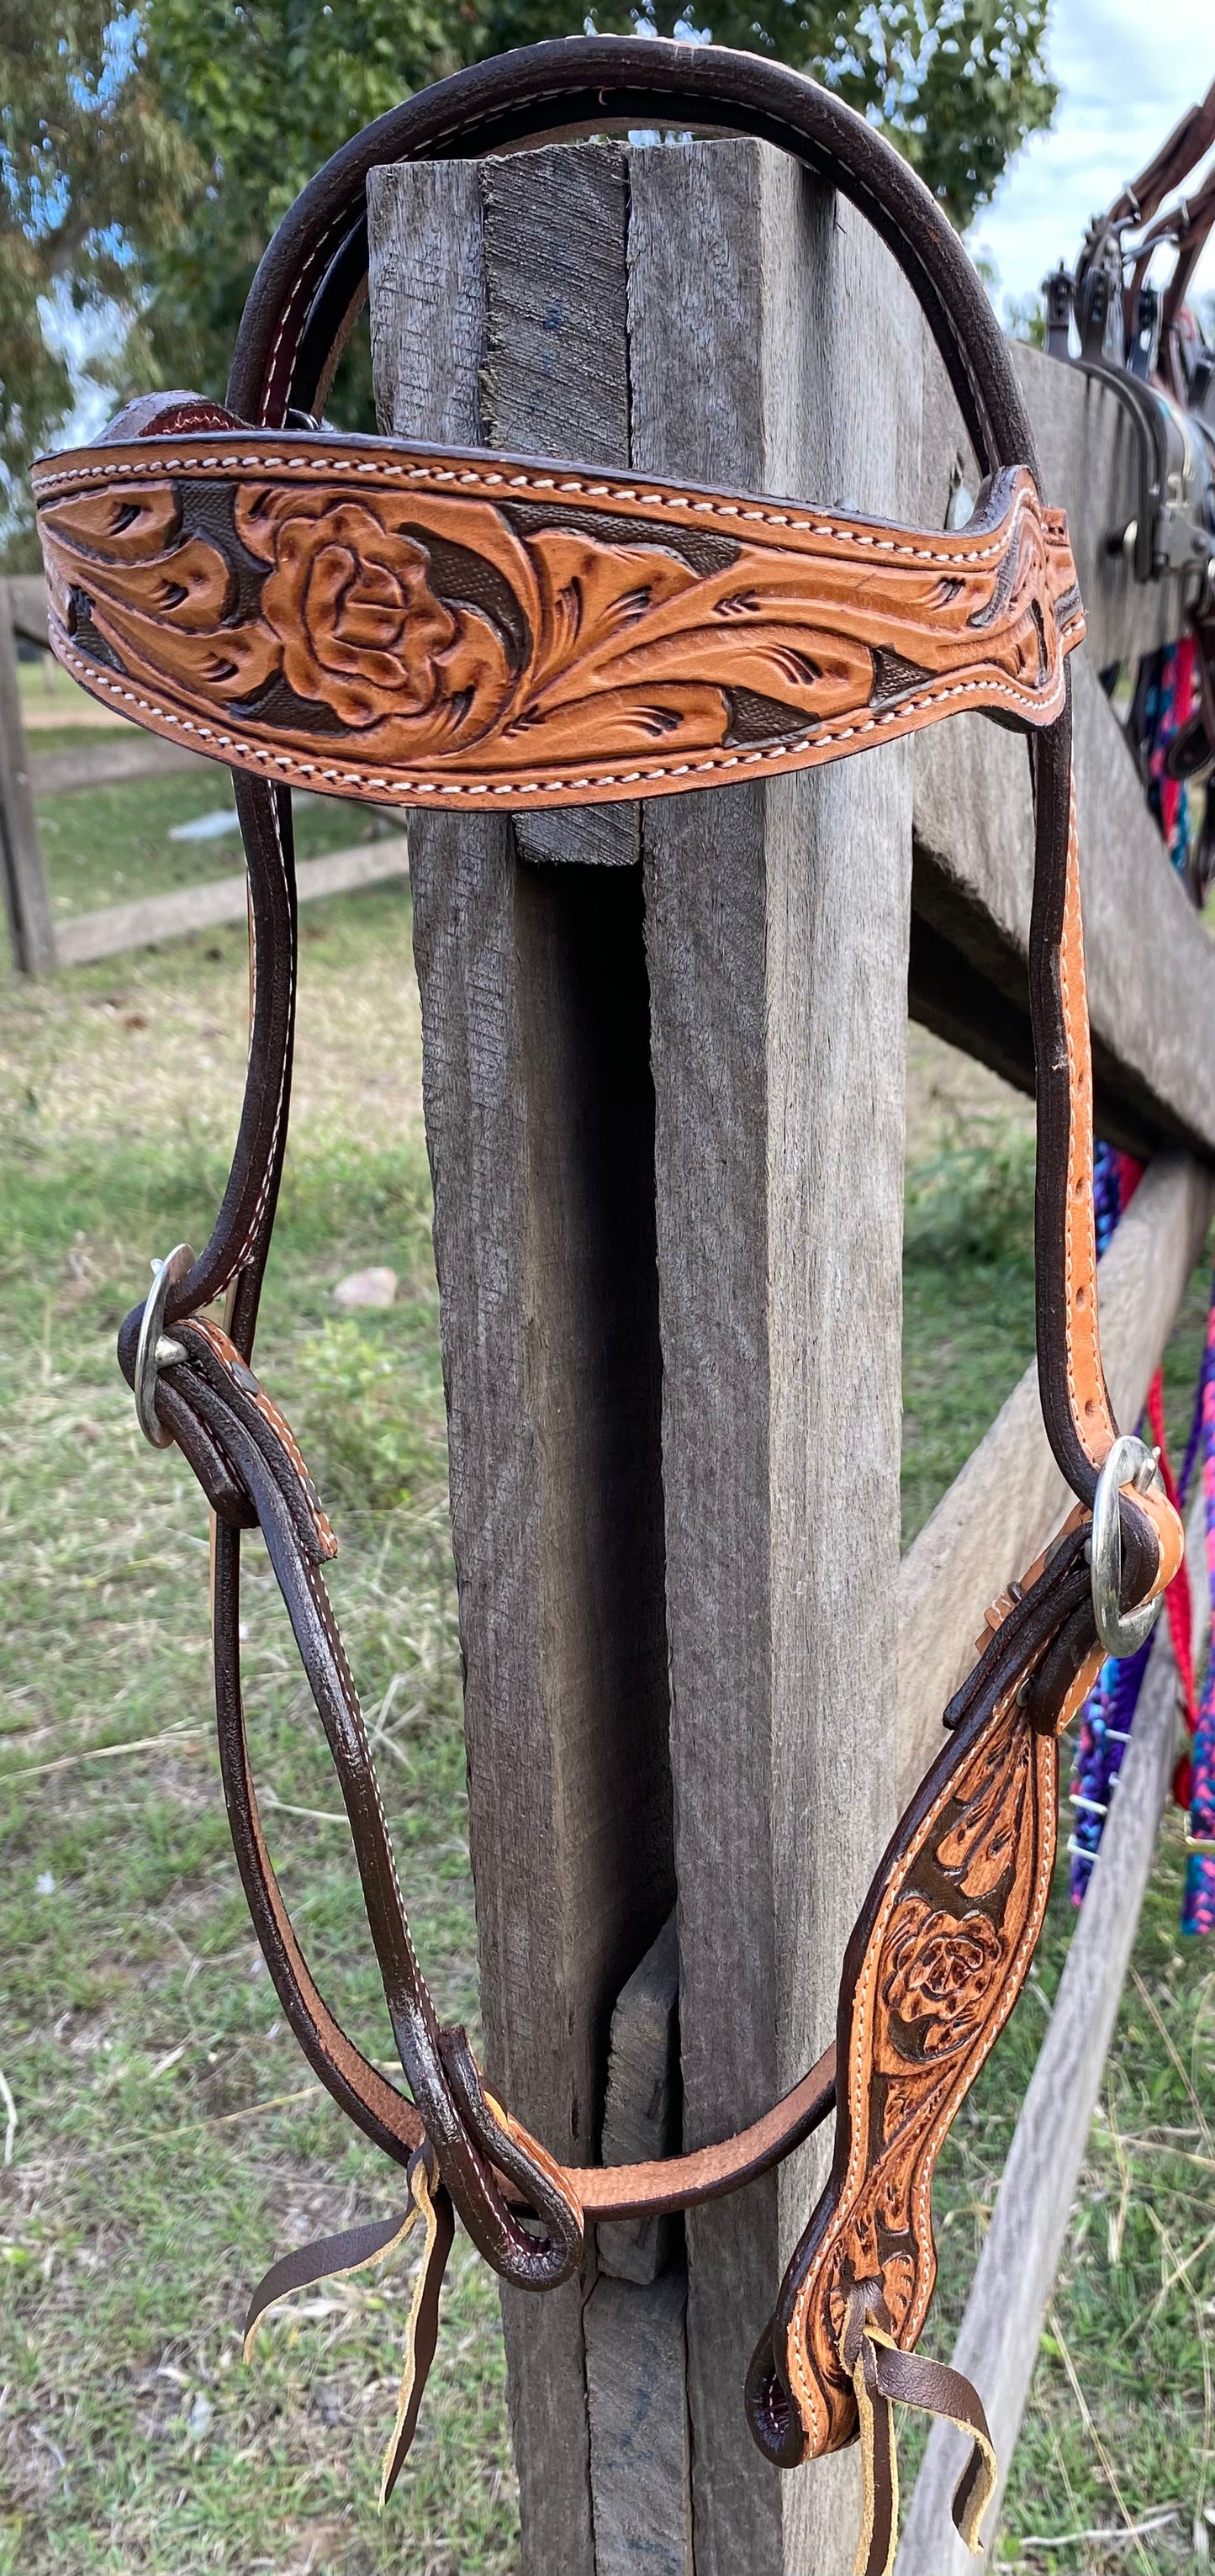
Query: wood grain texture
974, 876
120, 926
1154, 1070
778, 1037
27, 903
1001, 1508
998, 2342
640, 2445
539, 1115
641, 2115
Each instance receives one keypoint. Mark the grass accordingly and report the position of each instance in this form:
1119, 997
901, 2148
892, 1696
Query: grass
148, 2190
168, 2142
111, 844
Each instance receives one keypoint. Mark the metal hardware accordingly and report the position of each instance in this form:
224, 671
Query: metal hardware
1202, 1845
156, 1351
1121, 1632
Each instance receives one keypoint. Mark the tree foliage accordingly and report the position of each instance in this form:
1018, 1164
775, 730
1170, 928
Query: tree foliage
92, 168
147, 151
956, 84
265, 92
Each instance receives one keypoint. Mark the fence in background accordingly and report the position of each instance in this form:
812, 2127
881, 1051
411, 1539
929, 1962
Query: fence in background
38, 943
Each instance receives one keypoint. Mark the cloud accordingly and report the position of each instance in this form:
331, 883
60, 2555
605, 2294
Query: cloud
1127, 70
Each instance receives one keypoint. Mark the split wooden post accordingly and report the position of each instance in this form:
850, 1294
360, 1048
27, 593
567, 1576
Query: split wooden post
773, 349
762, 339
498, 296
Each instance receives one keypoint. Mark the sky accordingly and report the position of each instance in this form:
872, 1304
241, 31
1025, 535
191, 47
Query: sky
1126, 70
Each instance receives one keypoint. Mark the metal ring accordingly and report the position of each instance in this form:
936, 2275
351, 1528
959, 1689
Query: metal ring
1121, 1632
154, 1352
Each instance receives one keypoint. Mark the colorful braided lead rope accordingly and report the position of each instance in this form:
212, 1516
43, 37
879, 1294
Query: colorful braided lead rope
1108, 1714
1198, 1793
1165, 699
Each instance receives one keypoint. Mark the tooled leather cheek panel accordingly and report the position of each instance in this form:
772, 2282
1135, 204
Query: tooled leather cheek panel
401, 626
1087, 1395
942, 1967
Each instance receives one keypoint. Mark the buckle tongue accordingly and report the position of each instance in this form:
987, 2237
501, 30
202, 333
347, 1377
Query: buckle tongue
1121, 1632
155, 1350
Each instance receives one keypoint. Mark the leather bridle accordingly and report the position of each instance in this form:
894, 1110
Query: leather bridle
195, 557
1143, 345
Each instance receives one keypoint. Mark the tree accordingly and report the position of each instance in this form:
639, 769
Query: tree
91, 168
958, 85
264, 92
147, 152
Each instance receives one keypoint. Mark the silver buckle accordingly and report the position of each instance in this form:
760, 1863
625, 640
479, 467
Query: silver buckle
1121, 1632
156, 1351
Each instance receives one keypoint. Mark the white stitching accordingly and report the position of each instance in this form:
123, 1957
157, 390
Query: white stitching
297, 289
409, 790
268, 1170
797, 2341
958, 557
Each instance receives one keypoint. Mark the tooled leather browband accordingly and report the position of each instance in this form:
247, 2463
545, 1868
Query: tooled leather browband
416, 626
413, 625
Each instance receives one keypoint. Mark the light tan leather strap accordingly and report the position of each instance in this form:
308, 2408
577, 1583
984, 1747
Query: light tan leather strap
428, 626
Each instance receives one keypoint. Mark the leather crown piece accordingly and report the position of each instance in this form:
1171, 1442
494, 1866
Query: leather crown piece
414, 625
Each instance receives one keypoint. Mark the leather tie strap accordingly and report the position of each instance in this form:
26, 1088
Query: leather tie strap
884, 2376
363, 2249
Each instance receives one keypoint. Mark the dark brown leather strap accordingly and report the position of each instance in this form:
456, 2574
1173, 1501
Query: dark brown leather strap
1182, 150
884, 2376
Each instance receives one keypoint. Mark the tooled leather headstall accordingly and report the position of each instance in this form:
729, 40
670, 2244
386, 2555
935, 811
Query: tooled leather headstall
418, 626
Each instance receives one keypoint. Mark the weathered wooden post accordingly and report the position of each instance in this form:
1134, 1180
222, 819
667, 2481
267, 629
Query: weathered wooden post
664, 1099
26, 901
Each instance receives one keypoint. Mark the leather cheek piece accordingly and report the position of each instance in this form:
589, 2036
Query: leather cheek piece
939, 1954
530, 633
1165, 1527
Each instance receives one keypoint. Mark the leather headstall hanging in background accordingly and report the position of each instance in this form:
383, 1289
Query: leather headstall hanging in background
1146, 342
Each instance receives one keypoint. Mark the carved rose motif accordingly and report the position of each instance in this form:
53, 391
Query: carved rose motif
434, 638
941, 1972
351, 603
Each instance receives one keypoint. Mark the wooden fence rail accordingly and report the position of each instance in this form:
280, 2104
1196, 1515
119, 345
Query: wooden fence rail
663, 1070
38, 944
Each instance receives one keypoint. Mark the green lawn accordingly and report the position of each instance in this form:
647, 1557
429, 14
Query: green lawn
148, 2189
168, 2142
108, 845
